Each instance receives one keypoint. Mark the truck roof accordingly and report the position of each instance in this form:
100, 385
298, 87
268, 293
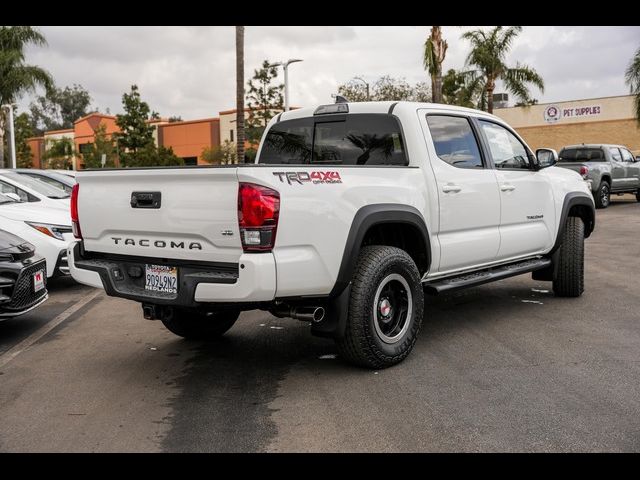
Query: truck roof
384, 107
594, 145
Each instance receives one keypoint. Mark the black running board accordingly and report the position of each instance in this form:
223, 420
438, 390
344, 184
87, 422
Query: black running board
479, 277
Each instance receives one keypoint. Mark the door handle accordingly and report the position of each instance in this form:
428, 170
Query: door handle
451, 188
507, 188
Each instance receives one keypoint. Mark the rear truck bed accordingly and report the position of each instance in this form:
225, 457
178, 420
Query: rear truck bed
170, 236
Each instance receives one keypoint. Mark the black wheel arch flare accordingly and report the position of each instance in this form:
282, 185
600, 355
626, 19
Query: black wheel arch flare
366, 218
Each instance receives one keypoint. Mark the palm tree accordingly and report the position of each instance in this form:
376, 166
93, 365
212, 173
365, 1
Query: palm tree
240, 92
17, 78
435, 49
487, 59
632, 78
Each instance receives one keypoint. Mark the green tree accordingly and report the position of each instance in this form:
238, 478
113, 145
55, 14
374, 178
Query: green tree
224, 154
435, 50
17, 77
152, 156
103, 145
59, 153
264, 100
632, 79
135, 132
456, 92
60, 108
385, 88
24, 131
175, 118
488, 61
354, 91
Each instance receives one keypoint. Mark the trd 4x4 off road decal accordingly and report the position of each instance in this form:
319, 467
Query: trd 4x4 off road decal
313, 177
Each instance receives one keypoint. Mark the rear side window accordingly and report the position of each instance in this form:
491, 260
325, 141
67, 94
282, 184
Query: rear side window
581, 155
454, 141
615, 154
355, 139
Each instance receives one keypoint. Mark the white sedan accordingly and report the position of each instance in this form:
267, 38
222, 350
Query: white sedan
49, 229
31, 190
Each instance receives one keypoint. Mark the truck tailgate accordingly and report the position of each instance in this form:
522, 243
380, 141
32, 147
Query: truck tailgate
196, 218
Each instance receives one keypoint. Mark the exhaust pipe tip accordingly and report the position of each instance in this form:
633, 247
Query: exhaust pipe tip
318, 314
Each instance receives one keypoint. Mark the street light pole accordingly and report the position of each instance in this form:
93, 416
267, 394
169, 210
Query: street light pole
12, 137
285, 66
366, 84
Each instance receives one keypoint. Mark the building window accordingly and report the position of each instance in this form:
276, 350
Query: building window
190, 160
85, 147
231, 135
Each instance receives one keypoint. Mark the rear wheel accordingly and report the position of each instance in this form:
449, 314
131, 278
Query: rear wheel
569, 270
602, 196
195, 325
385, 308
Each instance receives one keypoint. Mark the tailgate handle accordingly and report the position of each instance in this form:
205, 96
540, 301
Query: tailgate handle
146, 199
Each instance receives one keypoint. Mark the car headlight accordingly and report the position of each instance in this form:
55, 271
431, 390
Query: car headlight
55, 231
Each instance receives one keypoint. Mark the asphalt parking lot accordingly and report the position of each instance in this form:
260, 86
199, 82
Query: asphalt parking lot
501, 367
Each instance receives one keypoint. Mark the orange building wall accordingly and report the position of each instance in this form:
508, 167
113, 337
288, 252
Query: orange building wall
84, 130
189, 139
37, 149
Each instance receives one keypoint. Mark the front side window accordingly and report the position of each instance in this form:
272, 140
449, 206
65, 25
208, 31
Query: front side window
454, 141
506, 150
615, 154
355, 139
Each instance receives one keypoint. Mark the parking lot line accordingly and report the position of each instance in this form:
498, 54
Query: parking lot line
38, 334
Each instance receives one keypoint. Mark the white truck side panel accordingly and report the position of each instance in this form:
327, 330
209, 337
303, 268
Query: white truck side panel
315, 219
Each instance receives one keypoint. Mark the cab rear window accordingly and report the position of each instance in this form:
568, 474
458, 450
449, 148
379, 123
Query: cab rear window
581, 155
353, 139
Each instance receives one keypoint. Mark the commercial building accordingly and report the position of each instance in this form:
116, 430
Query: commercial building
188, 139
593, 120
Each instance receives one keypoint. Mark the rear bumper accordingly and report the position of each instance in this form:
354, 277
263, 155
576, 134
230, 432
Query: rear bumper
253, 279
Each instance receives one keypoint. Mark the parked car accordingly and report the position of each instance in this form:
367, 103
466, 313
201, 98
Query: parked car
47, 228
50, 177
23, 279
352, 212
27, 189
606, 168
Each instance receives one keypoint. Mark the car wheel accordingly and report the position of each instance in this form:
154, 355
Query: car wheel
602, 196
568, 279
638, 195
196, 325
385, 308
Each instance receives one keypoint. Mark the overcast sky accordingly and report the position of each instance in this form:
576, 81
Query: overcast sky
190, 71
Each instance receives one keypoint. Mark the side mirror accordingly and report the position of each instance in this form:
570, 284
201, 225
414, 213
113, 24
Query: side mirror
14, 196
547, 157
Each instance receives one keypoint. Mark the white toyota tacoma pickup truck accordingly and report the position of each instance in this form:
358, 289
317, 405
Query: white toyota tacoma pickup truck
351, 213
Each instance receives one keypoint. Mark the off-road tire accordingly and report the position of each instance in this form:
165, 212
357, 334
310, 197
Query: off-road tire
569, 269
361, 344
194, 325
602, 196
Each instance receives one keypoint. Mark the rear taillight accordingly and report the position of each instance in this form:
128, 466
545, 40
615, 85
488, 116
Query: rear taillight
258, 210
584, 171
75, 220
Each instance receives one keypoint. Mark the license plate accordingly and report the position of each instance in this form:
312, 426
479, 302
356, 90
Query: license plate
160, 278
38, 280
